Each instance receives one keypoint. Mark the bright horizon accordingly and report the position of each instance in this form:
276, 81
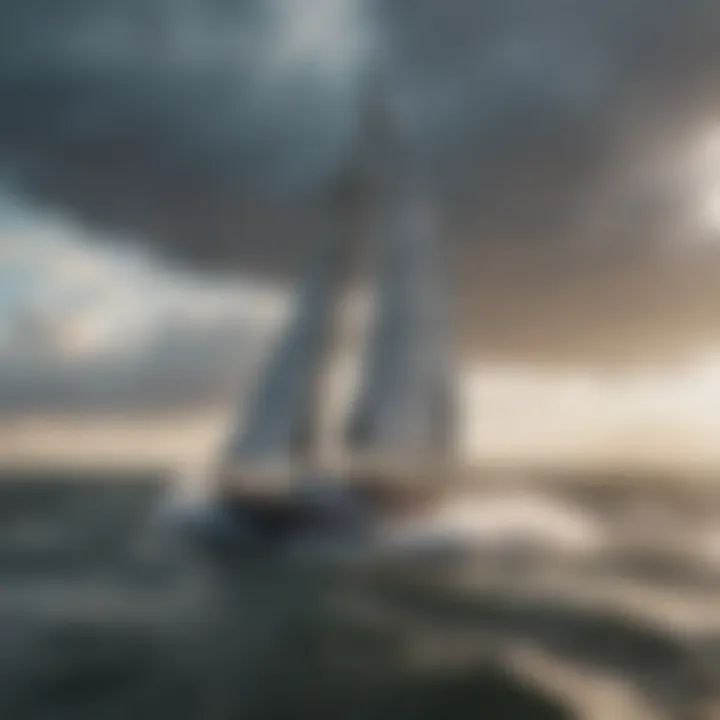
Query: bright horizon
510, 415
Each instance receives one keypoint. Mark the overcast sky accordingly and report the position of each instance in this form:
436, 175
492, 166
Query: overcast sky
571, 142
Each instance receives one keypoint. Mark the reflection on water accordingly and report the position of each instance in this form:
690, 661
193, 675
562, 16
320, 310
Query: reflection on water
104, 614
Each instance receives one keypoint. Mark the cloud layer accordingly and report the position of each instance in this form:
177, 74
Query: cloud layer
556, 133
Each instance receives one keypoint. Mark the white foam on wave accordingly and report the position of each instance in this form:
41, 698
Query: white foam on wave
506, 521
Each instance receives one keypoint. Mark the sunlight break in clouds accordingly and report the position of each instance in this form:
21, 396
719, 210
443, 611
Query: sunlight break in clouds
706, 180
67, 292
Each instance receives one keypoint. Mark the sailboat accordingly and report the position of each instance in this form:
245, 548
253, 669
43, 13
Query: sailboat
397, 440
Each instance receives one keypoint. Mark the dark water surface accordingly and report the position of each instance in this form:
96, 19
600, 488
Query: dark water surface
105, 613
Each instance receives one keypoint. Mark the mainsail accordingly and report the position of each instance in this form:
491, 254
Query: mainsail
402, 410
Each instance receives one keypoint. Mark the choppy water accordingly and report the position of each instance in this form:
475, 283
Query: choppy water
105, 613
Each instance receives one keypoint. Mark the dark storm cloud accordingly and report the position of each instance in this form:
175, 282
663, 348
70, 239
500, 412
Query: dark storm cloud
216, 128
